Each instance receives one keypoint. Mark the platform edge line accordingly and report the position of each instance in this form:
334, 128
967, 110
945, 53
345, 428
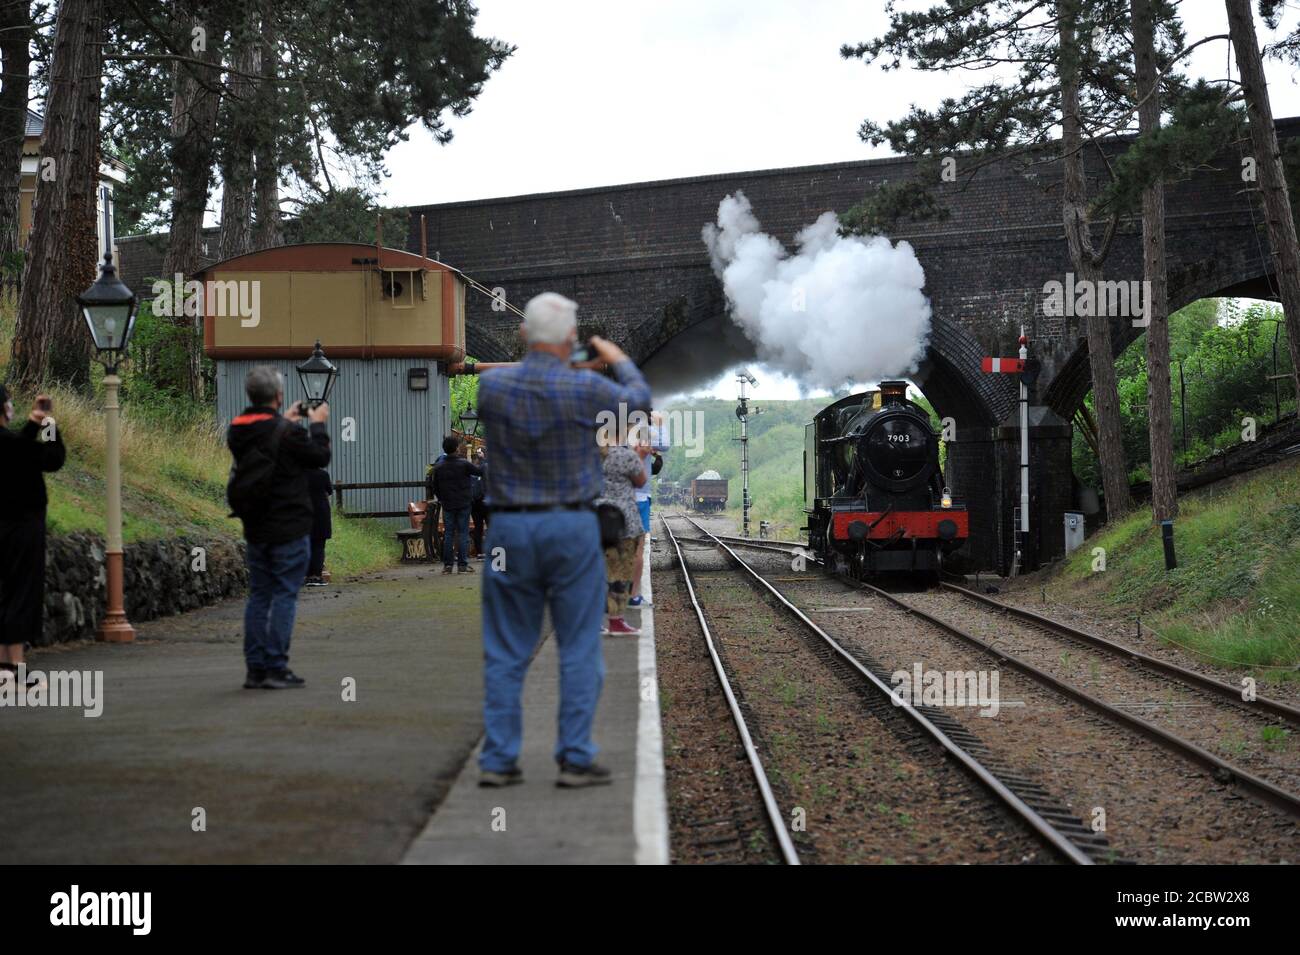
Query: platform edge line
649, 798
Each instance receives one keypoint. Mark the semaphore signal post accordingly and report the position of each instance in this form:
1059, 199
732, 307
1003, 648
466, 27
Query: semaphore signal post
1027, 368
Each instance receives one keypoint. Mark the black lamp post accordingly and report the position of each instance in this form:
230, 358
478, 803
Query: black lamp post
469, 422
109, 309
317, 374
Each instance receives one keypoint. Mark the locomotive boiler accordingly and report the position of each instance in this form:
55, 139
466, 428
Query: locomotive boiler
873, 489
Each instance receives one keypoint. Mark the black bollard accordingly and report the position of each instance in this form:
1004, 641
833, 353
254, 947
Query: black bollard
1167, 532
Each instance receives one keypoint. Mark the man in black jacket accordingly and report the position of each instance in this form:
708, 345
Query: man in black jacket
279, 534
322, 523
451, 484
25, 456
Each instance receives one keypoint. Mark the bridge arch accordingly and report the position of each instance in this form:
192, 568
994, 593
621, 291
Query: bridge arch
1246, 279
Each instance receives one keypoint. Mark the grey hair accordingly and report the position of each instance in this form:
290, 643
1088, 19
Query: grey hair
263, 383
549, 318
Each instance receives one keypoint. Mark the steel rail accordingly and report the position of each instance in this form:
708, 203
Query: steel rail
779, 546
1200, 680
1174, 670
1221, 769
775, 819
1054, 837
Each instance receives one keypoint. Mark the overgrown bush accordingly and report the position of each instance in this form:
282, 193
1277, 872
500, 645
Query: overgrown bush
1225, 350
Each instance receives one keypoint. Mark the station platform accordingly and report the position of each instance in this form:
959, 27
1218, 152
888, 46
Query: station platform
372, 762
536, 822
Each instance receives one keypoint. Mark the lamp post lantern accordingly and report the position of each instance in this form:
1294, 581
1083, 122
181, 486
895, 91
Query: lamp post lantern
108, 307
469, 422
317, 374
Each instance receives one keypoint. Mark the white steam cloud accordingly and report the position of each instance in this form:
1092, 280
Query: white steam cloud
839, 310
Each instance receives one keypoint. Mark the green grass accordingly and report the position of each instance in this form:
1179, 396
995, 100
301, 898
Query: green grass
1235, 596
174, 471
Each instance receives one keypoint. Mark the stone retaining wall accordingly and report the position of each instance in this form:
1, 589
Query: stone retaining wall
163, 577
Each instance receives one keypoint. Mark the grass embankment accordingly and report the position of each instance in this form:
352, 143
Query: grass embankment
1235, 596
173, 477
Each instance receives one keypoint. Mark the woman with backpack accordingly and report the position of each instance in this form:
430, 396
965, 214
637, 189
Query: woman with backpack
624, 472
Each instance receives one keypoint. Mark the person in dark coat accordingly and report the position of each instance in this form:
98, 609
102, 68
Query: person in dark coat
478, 509
451, 484
279, 535
26, 456
322, 524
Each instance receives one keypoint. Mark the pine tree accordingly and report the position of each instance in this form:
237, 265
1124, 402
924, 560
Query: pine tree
1269, 166
1087, 260
15, 58
239, 117
275, 94
266, 149
50, 338
1164, 489
1053, 64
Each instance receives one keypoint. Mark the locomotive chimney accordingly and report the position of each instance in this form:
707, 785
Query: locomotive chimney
893, 392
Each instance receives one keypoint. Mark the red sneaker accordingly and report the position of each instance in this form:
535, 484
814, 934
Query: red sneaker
617, 626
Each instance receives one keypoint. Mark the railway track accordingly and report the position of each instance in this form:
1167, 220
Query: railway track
775, 818
1273, 793
1223, 770
1200, 681
1039, 811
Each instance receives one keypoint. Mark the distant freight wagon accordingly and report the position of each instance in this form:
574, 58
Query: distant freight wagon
708, 492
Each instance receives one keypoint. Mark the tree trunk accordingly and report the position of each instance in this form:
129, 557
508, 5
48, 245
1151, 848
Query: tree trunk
1272, 180
195, 103
15, 53
196, 100
237, 162
51, 341
1105, 390
266, 155
1160, 416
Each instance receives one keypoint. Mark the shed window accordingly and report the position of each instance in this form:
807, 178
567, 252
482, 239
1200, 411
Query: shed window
398, 286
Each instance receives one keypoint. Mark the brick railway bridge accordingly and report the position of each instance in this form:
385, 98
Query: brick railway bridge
632, 257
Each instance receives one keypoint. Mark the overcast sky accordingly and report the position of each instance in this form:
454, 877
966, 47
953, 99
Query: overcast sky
611, 91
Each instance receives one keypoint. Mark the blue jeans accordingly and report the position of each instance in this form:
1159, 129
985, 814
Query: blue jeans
455, 524
548, 558
275, 575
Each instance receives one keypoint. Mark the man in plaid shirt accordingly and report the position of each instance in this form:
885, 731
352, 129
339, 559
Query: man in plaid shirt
543, 546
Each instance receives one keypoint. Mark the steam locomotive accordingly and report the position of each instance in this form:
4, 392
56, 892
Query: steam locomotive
873, 490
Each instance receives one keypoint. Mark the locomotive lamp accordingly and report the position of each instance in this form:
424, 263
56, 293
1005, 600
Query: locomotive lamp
317, 374
946, 500
109, 309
